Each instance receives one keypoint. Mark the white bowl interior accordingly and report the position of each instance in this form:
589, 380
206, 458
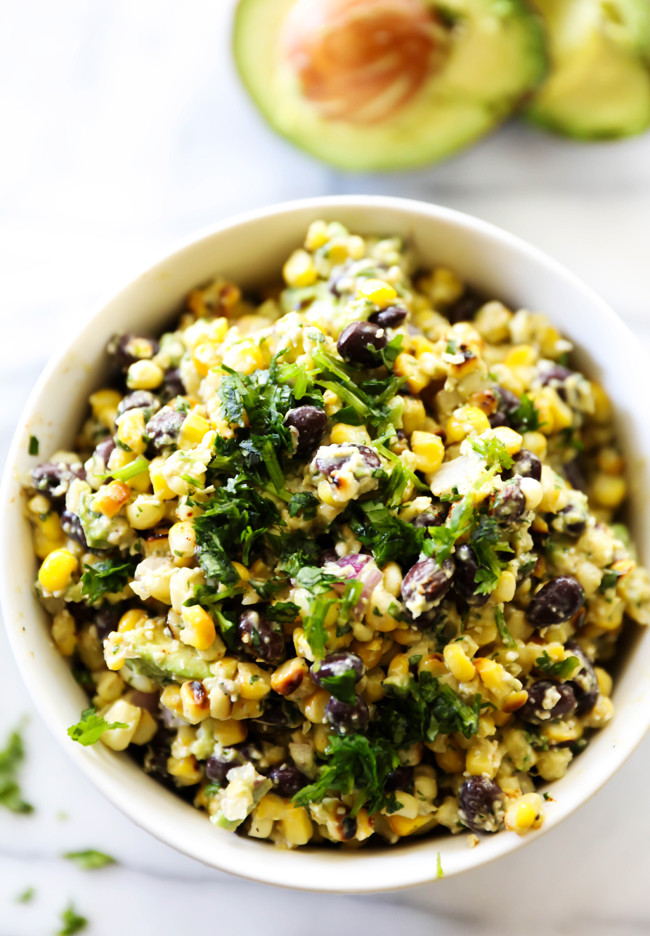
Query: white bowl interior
251, 250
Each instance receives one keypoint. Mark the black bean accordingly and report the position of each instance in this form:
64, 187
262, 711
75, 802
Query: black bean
71, 526
347, 718
329, 462
390, 317
426, 584
279, 713
584, 681
435, 515
465, 308
104, 450
348, 828
308, 423
507, 402
574, 475
557, 601
509, 504
164, 427
548, 701
465, 577
287, 780
497, 419
126, 349
336, 664
172, 385
157, 755
216, 768
53, 480
480, 804
526, 465
399, 779
259, 638
571, 520
139, 399
107, 619
359, 343
555, 375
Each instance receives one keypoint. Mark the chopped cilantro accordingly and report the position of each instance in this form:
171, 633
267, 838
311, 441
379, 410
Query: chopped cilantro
525, 417
342, 685
562, 669
11, 757
494, 452
72, 922
487, 543
304, 505
439, 872
423, 710
506, 637
385, 534
547, 796
319, 584
282, 612
441, 540
90, 859
105, 577
609, 580
27, 895
33, 445
451, 347
91, 727
136, 467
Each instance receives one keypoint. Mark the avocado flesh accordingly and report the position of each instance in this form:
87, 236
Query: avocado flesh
599, 86
162, 658
496, 56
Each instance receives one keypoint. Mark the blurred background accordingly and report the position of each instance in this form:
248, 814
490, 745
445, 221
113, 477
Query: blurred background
125, 129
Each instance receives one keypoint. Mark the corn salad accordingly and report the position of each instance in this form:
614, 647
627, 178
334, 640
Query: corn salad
344, 563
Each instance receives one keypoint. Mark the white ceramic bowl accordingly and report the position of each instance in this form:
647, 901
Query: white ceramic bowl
250, 249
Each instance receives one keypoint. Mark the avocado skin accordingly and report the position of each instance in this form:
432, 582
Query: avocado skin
446, 117
599, 83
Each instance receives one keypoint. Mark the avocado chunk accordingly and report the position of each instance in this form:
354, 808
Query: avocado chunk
149, 651
599, 85
368, 85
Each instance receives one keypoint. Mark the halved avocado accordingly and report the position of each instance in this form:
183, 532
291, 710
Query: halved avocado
599, 86
387, 84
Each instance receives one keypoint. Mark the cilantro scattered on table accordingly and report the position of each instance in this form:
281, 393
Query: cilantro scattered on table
27, 895
11, 758
72, 922
90, 859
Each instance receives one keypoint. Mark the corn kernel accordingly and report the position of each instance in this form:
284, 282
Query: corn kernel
608, 490
451, 760
289, 676
56, 570
242, 572
131, 619
521, 356
355, 435
195, 701
144, 375
413, 414
604, 681
377, 291
458, 663
602, 406
147, 727
317, 235
244, 357
64, 633
205, 356
182, 540
406, 366
480, 758
145, 511
160, 487
432, 663
184, 769
314, 706
130, 431
297, 827
110, 498
198, 630
193, 429
230, 732
511, 440
103, 404
525, 814
465, 421
118, 739
536, 443
403, 826
299, 270
399, 669
429, 450
252, 681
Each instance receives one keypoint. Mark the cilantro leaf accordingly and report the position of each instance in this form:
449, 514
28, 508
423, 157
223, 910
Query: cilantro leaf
303, 504
90, 859
282, 612
494, 452
319, 584
33, 445
11, 757
609, 579
385, 534
487, 543
440, 540
342, 685
72, 922
91, 727
105, 577
562, 669
423, 710
525, 417
506, 637
27, 895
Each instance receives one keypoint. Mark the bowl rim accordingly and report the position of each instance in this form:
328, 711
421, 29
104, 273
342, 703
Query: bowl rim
329, 874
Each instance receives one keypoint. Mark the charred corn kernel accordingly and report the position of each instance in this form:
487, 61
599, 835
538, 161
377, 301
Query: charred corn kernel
296, 826
230, 732
64, 633
144, 375
130, 431
314, 706
428, 449
536, 443
118, 739
465, 421
184, 769
110, 498
509, 438
413, 414
602, 407
392, 578
402, 826
608, 490
521, 356
108, 687
220, 704
377, 291
271, 806
147, 727
458, 663
56, 570
131, 620
480, 758
146, 511
198, 630
604, 681
317, 236
195, 701
205, 356
406, 366
356, 435
193, 429
434, 664
525, 814
299, 270
103, 404
160, 487
514, 701
182, 540
289, 676
252, 681
326, 494
244, 357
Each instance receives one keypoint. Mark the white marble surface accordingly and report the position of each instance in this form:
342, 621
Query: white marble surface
124, 129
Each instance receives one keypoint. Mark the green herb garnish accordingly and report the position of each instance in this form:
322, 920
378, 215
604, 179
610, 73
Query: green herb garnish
91, 727
72, 922
10, 760
506, 637
562, 669
90, 859
525, 417
33, 445
105, 577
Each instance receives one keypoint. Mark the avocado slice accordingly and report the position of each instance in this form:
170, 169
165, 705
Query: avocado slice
323, 75
151, 652
599, 86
